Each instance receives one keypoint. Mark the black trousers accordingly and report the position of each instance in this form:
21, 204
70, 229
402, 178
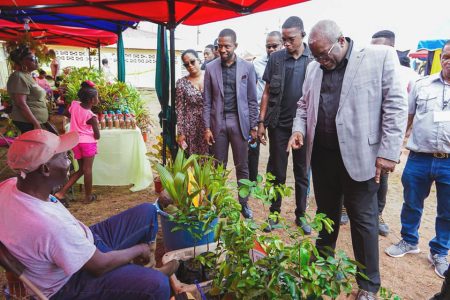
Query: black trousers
277, 165
331, 180
253, 161
382, 192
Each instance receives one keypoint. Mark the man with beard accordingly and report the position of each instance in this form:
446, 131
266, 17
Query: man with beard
230, 110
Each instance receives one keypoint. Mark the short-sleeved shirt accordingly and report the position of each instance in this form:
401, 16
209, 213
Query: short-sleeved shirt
260, 66
295, 70
22, 83
78, 122
43, 235
425, 99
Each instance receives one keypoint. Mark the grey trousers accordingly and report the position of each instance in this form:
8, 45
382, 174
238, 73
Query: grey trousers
230, 133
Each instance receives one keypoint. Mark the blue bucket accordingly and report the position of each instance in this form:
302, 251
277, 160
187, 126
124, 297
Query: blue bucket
181, 239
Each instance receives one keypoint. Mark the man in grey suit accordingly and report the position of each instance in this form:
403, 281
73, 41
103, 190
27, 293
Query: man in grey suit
353, 113
230, 110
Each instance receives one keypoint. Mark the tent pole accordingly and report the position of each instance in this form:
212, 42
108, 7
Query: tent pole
99, 60
173, 121
164, 83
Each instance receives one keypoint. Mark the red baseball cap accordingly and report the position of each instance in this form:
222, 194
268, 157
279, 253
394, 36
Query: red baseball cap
36, 147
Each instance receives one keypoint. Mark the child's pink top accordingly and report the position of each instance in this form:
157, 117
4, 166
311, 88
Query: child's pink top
43, 83
78, 118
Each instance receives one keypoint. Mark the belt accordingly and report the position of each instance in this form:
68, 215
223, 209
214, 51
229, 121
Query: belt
436, 155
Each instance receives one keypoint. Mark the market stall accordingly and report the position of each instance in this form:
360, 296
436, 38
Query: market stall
121, 160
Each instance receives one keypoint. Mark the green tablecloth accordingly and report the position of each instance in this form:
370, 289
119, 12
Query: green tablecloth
121, 160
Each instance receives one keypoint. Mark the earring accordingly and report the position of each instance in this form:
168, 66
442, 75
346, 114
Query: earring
24, 68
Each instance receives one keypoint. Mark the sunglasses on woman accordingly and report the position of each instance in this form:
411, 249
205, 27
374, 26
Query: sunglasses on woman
191, 62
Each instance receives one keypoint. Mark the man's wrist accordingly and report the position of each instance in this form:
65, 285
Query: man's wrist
260, 122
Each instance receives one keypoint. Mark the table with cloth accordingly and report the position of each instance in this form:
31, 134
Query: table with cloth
121, 160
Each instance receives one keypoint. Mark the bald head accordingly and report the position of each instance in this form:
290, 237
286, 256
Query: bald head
327, 44
325, 30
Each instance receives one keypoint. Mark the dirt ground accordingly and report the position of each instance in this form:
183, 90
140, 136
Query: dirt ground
411, 277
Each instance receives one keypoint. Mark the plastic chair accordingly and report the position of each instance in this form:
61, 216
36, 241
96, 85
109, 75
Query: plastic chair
12, 265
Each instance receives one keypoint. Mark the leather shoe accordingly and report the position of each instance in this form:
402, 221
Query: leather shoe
271, 225
246, 211
305, 227
365, 295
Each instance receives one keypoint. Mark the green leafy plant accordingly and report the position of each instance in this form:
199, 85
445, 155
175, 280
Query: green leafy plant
39, 49
198, 192
386, 294
292, 268
113, 95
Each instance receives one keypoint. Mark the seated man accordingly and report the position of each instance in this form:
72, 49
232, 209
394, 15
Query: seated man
64, 258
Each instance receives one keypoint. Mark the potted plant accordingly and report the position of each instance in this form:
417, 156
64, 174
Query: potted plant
197, 197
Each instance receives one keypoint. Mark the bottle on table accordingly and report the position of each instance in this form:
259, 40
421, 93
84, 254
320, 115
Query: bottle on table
101, 121
110, 120
121, 119
127, 119
115, 120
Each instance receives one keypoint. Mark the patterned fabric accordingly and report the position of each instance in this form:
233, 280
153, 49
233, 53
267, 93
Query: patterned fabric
189, 109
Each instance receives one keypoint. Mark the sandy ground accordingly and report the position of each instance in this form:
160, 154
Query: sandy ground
411, 277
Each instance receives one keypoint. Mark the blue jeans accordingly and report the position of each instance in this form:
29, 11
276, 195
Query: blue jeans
131, 227
420, 172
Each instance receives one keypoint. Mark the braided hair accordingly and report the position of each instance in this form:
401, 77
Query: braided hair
87, 91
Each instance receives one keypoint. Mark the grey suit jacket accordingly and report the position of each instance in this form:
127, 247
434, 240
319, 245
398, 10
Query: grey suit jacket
372, 114
246, 96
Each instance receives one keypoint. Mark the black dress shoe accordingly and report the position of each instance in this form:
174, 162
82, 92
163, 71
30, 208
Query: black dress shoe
305, 227
246, 211
271, 225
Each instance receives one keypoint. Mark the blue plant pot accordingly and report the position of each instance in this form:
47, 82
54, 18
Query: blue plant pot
181, 239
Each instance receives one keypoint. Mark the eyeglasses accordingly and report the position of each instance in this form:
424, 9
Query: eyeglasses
274, 46
325, 56
191, 62
32, 58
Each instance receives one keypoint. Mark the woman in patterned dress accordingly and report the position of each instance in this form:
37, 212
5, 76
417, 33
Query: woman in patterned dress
189, 106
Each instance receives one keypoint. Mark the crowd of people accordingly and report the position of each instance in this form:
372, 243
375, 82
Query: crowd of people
343, 111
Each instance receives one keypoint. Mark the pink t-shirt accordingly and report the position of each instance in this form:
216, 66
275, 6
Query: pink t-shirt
44, 236
78, 118
43, 83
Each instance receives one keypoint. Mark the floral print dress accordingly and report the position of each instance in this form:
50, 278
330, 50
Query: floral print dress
189, 109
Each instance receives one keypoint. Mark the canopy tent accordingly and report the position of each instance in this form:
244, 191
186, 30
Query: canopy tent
12, 12
59, 35
168, 13
430, 51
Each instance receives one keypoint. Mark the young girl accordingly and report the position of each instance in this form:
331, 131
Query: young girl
84, 121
